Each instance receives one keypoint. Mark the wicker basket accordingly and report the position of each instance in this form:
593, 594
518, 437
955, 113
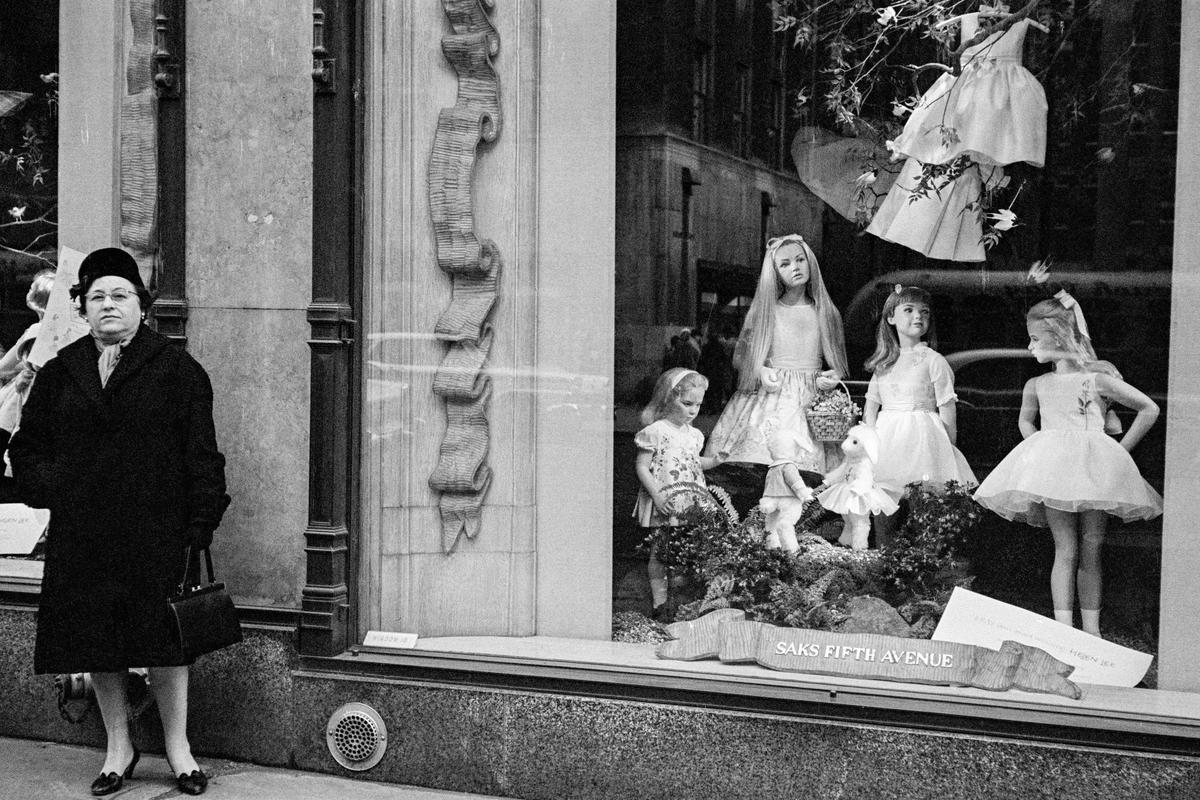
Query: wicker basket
831, 426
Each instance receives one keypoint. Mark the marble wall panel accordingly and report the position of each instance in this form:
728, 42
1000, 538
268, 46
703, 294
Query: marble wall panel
249, 146
259, 364
466, 594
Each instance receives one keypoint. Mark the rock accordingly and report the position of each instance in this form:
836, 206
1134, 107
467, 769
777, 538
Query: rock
632, 590
869, 614
630, 626
811, 541
923, 628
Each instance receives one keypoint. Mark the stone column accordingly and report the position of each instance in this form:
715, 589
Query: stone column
1178, 644
91, 83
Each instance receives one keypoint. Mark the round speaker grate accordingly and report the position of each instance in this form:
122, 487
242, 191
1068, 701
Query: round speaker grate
356, 736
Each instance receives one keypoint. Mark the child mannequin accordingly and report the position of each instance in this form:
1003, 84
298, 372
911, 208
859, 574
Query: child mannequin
36, 299
16, 373
791, 332
911, 401
668, 453
1067, 474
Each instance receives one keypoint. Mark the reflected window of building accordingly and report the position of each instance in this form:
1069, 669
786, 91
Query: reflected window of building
28, 155
29, 181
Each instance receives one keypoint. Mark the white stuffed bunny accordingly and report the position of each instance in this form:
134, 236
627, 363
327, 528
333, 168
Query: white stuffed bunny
852, 490
784, 493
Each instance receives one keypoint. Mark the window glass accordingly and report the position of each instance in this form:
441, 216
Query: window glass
28, 198
988, 215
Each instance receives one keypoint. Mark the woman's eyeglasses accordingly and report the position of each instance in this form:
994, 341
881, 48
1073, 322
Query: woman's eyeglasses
118, 296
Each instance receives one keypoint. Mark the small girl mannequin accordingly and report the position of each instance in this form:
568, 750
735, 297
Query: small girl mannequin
1068, 474
16, 373
784, 493
911, 401
852, 491
791, 333
668, 452
36, 299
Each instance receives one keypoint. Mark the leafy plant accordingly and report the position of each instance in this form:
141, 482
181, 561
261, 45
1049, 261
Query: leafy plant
923, 554
728, 565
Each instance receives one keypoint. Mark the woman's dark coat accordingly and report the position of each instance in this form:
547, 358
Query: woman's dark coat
126, 471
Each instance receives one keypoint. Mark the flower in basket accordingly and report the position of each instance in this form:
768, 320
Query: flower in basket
831, 414
835, 402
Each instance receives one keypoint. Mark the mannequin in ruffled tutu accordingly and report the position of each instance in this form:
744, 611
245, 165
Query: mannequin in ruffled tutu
791, 345
966, 127
1068, 474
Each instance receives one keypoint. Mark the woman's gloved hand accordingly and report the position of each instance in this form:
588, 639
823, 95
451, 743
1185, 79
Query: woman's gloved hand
199, 537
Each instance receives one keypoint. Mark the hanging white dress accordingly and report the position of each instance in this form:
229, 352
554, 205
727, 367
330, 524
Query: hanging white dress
994, 110
991, 114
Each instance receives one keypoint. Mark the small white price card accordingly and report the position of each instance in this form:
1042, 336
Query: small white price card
391, 640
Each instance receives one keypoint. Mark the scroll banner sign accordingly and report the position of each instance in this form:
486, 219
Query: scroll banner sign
61, 324
977, 619
725, 634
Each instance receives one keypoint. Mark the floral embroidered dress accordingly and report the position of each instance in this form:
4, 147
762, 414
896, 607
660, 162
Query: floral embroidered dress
1069, 464
968, 125
913, 443
675, 457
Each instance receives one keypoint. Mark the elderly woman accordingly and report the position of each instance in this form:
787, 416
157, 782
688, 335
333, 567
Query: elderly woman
117, 440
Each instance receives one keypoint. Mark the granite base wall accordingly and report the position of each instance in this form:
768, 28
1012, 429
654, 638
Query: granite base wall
240, 703
539, 746
250, 703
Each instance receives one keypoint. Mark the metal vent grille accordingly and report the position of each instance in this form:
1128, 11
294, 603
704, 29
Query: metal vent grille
356, 736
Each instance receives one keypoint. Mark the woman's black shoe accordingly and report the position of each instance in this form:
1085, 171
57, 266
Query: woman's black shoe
194, 783
110, 782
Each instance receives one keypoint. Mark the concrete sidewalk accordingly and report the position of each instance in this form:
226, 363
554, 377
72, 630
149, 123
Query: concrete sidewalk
33, 770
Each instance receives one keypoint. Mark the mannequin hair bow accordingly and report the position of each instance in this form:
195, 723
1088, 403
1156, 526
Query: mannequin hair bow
1064, 297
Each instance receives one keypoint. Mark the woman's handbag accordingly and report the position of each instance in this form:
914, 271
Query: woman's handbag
205, 618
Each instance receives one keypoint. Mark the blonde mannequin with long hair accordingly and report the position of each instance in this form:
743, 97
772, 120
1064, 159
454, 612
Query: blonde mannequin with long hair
791, 345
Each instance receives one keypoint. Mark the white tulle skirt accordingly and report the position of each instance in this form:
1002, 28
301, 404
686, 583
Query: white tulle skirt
914, 446
1069, 470
844, 498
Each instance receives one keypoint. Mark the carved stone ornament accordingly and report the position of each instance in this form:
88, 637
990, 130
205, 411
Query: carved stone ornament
462, 476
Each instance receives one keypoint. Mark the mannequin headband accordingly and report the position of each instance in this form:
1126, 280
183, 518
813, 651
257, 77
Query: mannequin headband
779, 241
675, 381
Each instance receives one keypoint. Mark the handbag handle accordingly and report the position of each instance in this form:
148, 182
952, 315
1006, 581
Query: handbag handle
187, 562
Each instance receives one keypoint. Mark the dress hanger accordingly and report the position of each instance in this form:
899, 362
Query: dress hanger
986, 12
1002, 26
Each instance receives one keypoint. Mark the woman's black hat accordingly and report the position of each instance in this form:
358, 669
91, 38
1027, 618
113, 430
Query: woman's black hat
107, 261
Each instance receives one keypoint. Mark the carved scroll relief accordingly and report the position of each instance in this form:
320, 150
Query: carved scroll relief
139, 142
462, 476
